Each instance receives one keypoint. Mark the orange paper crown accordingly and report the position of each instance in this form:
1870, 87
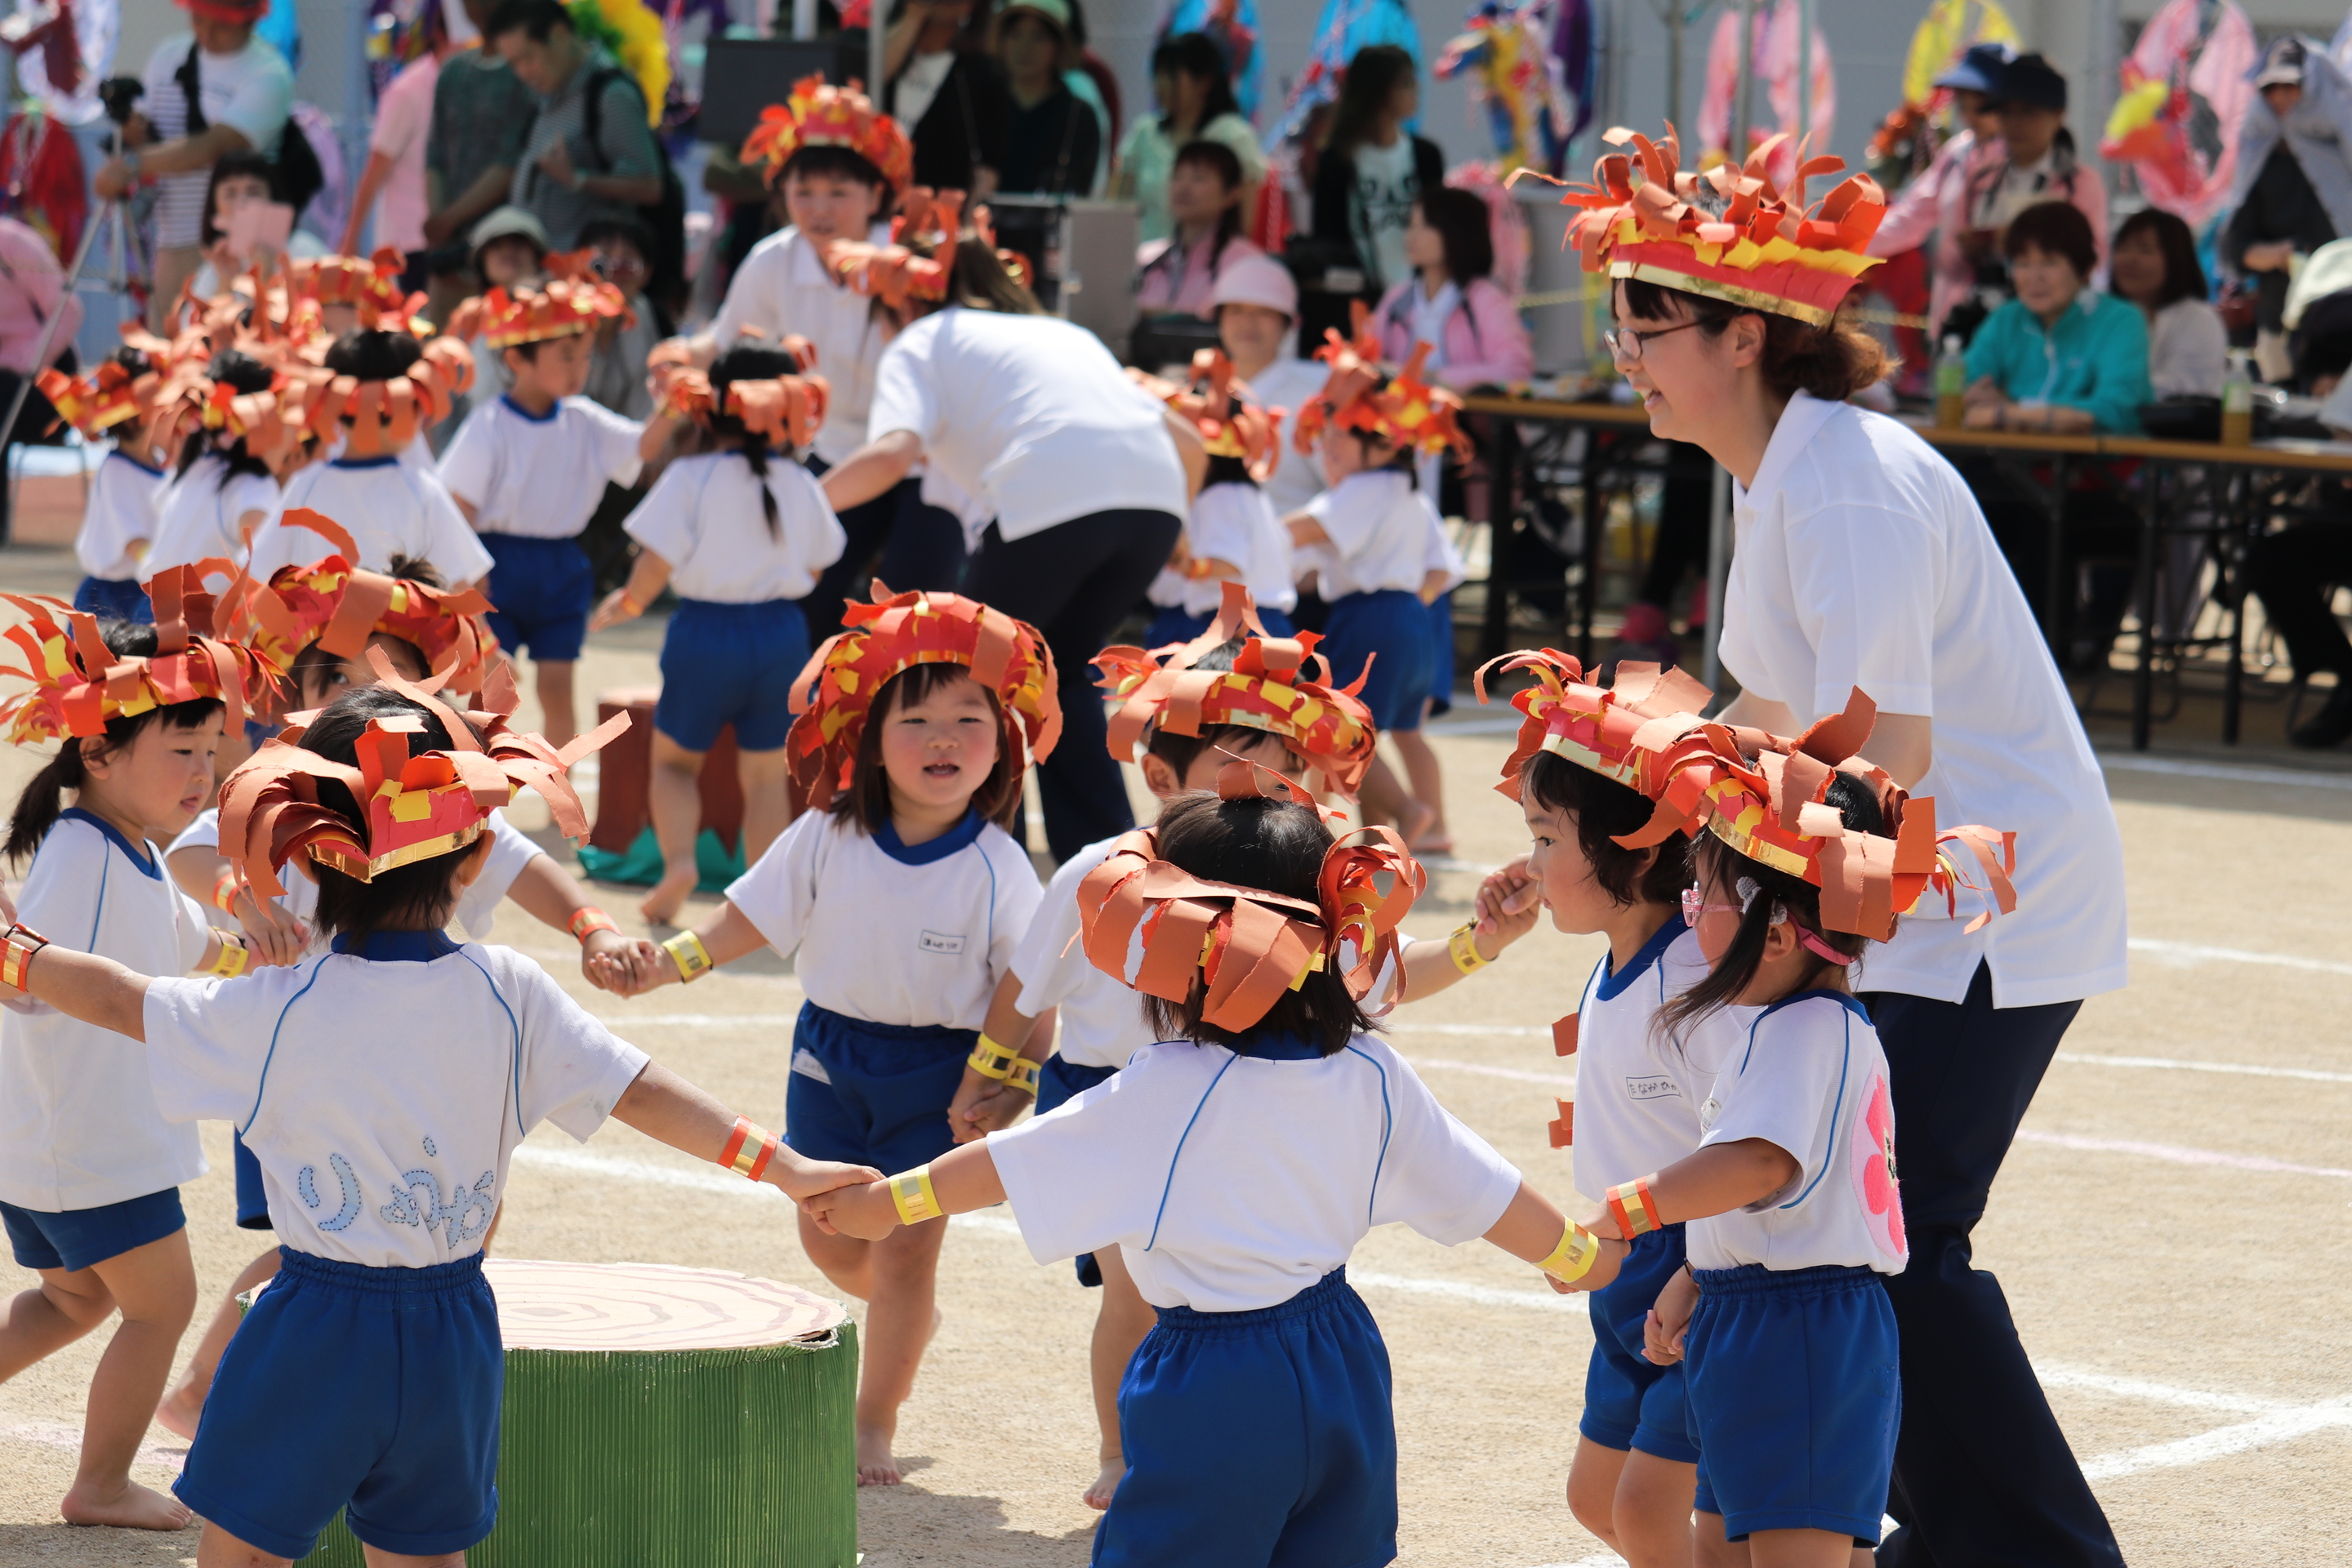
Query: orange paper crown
1632, 731
189, 399
385, 415
895, 633
1280, 685
1218, 406
572, 300
417, 804
78, 683
1357, 396
786, 410
895, 273
1766, 252
370, 285
108, 396
1247, 945
821, 116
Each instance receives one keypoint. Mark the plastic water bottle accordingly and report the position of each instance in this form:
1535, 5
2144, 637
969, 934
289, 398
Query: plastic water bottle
1951, 384
2238, 401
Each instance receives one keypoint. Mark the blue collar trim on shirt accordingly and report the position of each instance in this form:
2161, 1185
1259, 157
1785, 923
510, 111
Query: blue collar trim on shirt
960, 836
1852, 1003
396, 946
1275, 1046
139, 856
386, 461
135, 463
553, 409
1613, 983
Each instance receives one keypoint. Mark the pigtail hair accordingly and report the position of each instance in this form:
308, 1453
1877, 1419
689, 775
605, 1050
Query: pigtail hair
748, 362
38, 807
755, 454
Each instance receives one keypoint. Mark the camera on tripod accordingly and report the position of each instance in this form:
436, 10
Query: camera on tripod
120, 95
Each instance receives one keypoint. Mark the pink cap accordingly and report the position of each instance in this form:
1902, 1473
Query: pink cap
1257, 280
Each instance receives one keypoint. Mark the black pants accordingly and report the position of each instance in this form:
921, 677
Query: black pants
2296, 574
1075, 581
894, 537
1982, 1473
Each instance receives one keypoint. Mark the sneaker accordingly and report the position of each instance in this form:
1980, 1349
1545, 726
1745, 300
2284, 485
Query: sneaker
2333, 723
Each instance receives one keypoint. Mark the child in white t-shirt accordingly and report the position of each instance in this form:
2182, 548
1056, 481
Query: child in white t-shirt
741, 531
903, 896
365, 1378
1231, 534
219, 491
118, 520
1235, 1164
90, 1170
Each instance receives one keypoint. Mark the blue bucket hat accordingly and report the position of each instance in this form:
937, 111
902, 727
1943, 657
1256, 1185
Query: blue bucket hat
1978, 70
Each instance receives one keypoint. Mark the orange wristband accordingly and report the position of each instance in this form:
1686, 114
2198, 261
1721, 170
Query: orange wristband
588, 920
741, 1155
1635, 1210
15, 957
225, 890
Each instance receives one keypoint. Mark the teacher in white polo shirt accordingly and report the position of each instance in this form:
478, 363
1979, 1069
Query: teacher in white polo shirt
1863, 561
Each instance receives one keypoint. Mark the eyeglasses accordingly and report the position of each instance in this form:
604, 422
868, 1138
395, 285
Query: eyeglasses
1696, 906
1625, 343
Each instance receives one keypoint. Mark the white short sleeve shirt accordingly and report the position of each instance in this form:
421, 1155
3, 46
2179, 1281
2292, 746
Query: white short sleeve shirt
1862, 559
1102, 1021
1236, 524
1380, 527
703, 516
198, 515
783, 287
392, 508
1638, 1089
540, 477
121, 514
1287, 385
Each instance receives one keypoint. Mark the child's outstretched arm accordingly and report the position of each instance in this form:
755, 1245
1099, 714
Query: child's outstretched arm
958, 1182
1495, 924
79, 985
1716, 1180
272, 935
649, 575
724, 937
1533, 1229
660, 1104
607, 959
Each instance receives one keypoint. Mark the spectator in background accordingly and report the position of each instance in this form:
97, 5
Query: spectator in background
238, 180
2041, 166
1204, 200
2297, 571
1256, 303
1451, 303
565, 180
1097, 87
943, 87
214, 90
1370, 171
1052, 139
2155, 266
392, 183
2294, 186
616, 369
1936, 201
481, 113
32, 294
508, 247
1196, 103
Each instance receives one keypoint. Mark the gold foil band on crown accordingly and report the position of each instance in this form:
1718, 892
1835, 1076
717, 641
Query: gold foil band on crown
364, 870
1729, 293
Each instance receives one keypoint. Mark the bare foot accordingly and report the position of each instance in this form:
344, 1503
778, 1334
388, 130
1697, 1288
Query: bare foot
181, 1407
661, 906
877, 1467
1114, 1470
126, 1505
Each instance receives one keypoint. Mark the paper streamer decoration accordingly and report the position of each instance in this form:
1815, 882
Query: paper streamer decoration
1942, 36
1773, 59
1534, 96
2178, 60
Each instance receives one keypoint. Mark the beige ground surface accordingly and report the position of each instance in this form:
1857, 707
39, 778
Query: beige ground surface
2208, 1383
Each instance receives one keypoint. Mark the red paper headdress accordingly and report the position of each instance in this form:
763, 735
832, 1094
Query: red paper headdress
1357, 396
895, 273
1632, 731
1248, 946
1765, 253
108, 396
1219, 408
385, 415
1280, 685
572, 300
821, 116
370, 285
786, 409
190, 399
78, 683
895, 633
417, 804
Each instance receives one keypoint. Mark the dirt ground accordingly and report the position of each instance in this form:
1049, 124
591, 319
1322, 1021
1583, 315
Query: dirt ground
2206, 1384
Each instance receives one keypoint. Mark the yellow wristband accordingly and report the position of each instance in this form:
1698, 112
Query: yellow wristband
1463, 946
916, 1199
693, 959
992, 1058
1023, 1075
1578, 1250
233, 955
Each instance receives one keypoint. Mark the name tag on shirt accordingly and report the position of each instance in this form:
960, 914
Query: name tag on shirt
1652, 1088
935, 941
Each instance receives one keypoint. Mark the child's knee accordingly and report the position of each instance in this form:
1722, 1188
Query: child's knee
79, 1298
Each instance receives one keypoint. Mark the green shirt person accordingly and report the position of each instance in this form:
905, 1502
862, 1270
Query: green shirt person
2058, 358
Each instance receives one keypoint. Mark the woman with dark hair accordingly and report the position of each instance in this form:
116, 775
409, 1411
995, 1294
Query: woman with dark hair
1195, 93
1204, 198
2156, 268
1474, 331
2059, 358
1372, 170
1053, 138
938, 82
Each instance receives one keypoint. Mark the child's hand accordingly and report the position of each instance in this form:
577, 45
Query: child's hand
617, 607
1509, 902
802, 1178
272, 935
1602, 1274
982, 1106
1669, 1319
864, 1211
618, 963
1602, 1222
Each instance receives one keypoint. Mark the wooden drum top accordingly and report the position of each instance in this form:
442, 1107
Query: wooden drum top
648, 1307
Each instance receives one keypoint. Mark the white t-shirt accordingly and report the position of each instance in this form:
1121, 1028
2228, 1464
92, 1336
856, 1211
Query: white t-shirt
783, 287
78, 1127
1386, 188
391, 507
1638, 1091
1232, 1183
541, 478
196, 515
1101, 1020
892, 935
1237, 523
404, 117
1862, 559
703, 516
121, 514
252, 89
1380, 527
478, 904
1029, 414
1287, 385
382, 1098
1810, 1080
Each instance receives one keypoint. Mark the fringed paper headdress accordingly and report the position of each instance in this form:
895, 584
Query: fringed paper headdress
1280, 685
386, 415
821, 116
1247, 945
895, 273
572, 300
895, 633
1631, 731
417, 804
786, 410
190, 399
370, 285
1766, 252
1357, 396
1218, 406
78, 683
108, 396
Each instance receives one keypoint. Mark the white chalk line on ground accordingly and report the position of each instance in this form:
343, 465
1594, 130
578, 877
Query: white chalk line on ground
2176, 1064
58, 1435
2195, 952
2129, 763
2178, 1155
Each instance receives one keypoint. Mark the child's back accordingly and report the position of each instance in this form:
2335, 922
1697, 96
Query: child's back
393, 510
704, 517
199, 513
118, 523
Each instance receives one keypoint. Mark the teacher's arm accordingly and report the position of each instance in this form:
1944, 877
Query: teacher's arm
1902, 743
872, 469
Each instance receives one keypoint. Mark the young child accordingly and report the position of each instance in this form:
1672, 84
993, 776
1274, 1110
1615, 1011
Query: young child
741, 530
1233, 533
1787, 1342
90, 1170
1235, 1164
366, 1377
903, 895
230, 425
529, 468
118, 522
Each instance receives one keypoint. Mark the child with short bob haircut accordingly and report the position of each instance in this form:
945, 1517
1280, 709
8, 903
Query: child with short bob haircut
229, 421
424, 1064
903, 896
1235, 1164
90, 1170
118, 520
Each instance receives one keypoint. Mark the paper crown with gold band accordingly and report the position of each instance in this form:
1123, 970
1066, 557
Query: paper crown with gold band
78, 683
416, 804
1765, 252
385, 415
785, 410
897, 272
837, 688
370, 285
331, 602
191, 399
108, 396
1357, 396
1245, 945
1630, 732
1280, 685
816, 115
571, 300
1218, 406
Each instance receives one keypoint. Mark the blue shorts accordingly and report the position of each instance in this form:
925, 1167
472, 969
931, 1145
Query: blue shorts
375, 1389
252, 1197
1170, 623
1258, 1437
1393, 625
544, 590
1057, 1080
76, 1238
731, 664
873, 1094
1794, 1398
123, 601
1630, 1402
1441, 654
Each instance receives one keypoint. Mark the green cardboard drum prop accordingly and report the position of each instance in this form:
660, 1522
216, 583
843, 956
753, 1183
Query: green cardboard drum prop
666, 1418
